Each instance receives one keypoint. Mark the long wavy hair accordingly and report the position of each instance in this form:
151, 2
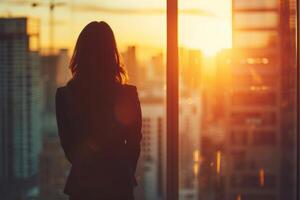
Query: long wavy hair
96, 60
97, 72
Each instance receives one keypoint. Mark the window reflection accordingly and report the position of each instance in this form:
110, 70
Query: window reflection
256, 20
256, 39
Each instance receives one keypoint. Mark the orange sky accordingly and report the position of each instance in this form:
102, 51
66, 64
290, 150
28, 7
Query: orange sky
208, 32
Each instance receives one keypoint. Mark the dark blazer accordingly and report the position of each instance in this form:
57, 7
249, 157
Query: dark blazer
104, 162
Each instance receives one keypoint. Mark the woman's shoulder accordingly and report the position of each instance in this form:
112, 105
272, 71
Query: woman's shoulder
60, 92
64, 93
127, 93
59, 96
64, 90
60, 89
129, 89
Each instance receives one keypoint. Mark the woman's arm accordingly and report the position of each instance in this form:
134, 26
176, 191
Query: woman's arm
66, 140
135, 134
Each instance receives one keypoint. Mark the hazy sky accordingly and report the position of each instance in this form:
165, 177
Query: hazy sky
132, 21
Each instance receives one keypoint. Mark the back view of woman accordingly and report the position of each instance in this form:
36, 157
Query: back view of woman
99, 120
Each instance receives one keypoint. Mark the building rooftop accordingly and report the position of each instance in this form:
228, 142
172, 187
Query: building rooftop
19, 25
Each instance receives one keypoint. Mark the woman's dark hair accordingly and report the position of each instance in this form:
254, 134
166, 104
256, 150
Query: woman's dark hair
97, 72
96, 58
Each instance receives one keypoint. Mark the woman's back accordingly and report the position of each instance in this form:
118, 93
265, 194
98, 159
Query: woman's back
102, 144
99, 119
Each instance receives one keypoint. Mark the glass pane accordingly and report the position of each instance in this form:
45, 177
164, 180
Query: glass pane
201, 38
32, 163
256, 20
245, 145
237, 95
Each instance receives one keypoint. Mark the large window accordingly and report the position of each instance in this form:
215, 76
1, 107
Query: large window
219, 123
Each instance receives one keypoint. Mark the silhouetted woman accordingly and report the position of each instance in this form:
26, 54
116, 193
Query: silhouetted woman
99, 120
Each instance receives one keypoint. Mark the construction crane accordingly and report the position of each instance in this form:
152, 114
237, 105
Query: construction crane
51, 5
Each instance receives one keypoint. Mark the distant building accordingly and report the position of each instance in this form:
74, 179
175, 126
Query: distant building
190, 112
156, 69
49, 71
151, 171
289, 100
63, 72
252, 113
20, 107
54, 73
53, 165
190, 62
212, 140
131, 65
260, 101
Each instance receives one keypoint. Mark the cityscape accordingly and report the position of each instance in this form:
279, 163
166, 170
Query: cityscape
237, 110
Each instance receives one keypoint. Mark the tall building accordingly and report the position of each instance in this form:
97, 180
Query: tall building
156, 69
190, 67
252, 123
20, 109
254, 73
189, 145
49, 71
289, 99
151, 170
212, 141
63, 72
131, 65
53, 166
54, 73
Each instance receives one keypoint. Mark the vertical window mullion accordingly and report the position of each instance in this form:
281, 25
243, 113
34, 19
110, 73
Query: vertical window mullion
172, 100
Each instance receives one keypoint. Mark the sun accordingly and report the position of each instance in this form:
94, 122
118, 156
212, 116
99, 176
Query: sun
210, 35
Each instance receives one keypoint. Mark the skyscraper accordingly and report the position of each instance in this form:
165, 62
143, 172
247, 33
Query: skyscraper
152, 163
131, 65
254, 72
20, 96
190, 67
151, 170
189, 145
289, 99
53, 166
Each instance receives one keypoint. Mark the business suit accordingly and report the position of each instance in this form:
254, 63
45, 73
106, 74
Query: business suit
103, 145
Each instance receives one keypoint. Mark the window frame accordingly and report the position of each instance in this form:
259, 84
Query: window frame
172, 77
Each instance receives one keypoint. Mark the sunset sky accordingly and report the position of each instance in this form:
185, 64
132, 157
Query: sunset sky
135, 22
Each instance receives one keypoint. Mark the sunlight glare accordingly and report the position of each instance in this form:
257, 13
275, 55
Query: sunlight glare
209, 34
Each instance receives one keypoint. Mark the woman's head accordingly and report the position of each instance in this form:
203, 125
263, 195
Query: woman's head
96, 57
